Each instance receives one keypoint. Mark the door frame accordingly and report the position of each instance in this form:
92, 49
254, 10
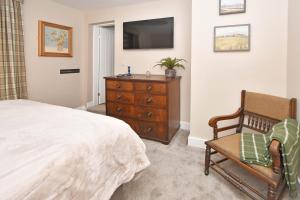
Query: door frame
96, 57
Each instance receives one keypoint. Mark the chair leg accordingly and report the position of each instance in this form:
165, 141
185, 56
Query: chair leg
272, 193
207, 160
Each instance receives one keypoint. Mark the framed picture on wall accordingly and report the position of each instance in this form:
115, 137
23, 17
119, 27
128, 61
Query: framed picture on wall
232, 38
55, 40
227, 7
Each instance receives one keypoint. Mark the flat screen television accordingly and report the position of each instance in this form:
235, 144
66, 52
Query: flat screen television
149, 34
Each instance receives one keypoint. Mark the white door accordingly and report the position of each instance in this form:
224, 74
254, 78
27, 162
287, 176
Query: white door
106, 59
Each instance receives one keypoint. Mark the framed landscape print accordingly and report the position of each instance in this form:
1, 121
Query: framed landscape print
232, 7
232, 38
55, 40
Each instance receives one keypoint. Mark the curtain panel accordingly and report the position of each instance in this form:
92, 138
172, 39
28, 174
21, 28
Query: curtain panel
12, 59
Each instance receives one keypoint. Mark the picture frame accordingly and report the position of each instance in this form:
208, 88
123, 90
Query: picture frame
232, 38
227, 7
55, 40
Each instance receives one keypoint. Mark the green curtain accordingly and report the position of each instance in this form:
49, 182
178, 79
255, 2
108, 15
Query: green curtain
12, 59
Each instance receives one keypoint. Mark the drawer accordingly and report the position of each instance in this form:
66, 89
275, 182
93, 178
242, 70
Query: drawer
148, 114
151, 100
120, 97
119, 85
150, 87
151, 130
116, 109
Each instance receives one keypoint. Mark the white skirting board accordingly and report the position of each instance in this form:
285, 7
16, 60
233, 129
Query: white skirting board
196, 142
85, 107
185, 126
81, 108
90, 104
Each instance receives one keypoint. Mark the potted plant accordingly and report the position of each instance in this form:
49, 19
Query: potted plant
171, 64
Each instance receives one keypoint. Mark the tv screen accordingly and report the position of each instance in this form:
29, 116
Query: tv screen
149, 34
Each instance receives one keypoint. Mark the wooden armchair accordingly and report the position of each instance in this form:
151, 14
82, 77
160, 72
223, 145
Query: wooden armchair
258, 112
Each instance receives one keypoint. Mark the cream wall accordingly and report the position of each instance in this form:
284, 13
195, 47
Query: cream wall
218, 78
45, 84
143, 60
293, 69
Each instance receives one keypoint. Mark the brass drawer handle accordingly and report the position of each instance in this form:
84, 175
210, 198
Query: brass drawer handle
149, 114
119, 109
118, 85
149, 130
149, 88
119, 97
149, 100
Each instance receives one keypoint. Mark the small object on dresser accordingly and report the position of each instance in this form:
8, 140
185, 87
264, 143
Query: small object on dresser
148, 74
123, 75
129, 73
170, 73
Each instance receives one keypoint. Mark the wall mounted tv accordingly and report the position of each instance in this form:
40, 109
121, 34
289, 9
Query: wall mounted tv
149, 34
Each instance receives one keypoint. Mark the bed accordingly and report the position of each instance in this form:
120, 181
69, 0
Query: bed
53, 152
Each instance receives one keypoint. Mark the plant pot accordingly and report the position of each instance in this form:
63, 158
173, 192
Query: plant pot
170, 73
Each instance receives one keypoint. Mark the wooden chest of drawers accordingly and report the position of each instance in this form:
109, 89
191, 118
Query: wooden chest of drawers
150, 105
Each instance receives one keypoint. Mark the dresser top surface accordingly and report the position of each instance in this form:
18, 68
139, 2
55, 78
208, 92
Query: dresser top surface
142, 77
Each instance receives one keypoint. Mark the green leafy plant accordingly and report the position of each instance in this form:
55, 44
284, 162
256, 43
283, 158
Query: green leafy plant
171, 63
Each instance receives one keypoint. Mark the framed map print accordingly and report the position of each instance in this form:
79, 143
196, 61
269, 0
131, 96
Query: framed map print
55, 40
232, 7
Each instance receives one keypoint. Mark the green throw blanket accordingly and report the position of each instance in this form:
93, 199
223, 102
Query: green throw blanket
254, 149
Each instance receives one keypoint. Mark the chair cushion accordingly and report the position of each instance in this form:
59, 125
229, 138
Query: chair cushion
229, 146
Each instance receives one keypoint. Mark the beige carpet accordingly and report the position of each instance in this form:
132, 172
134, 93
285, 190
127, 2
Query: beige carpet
176, 173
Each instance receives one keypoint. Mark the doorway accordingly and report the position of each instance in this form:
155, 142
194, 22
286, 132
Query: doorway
104, 55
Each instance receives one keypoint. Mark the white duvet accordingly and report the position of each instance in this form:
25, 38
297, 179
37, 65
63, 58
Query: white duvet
52, 152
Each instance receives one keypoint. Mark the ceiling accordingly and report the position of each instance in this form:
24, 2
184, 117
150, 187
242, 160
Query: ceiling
98, 4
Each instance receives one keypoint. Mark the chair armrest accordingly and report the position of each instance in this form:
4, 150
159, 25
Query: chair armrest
213, 122
274, 149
